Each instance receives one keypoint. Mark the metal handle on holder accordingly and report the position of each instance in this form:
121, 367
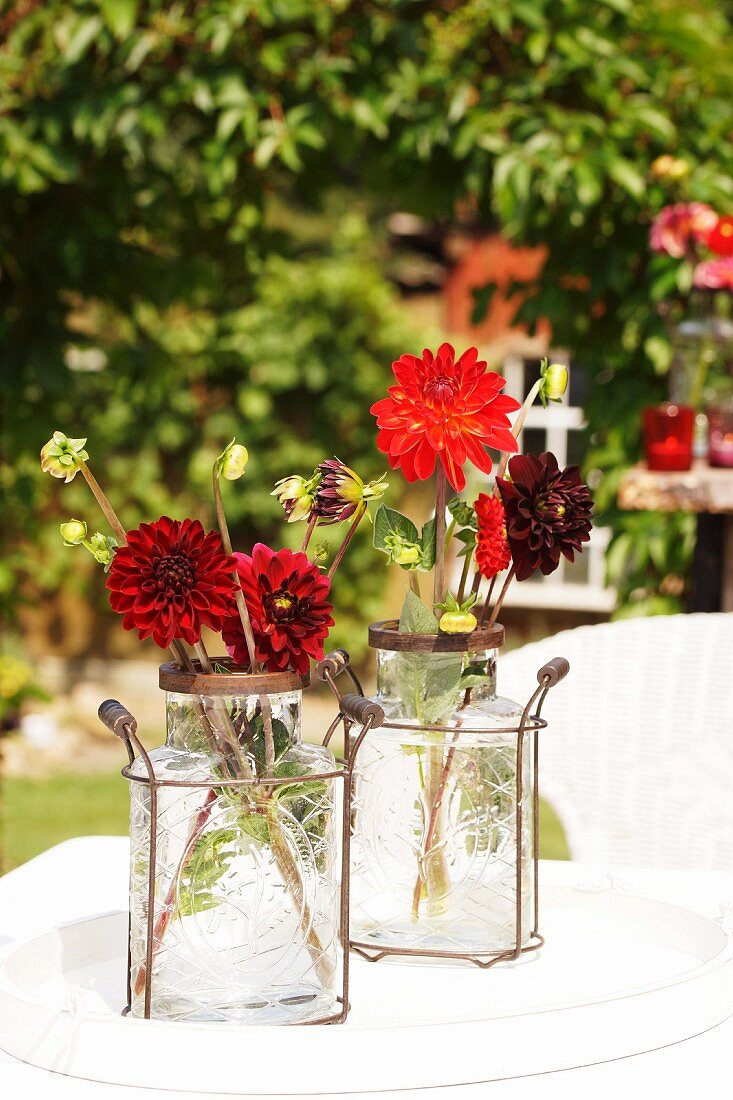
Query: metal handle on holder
362, 710
553, 672
332, 665
123, 724
117, 719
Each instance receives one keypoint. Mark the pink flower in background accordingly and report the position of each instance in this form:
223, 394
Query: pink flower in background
676, 227
714, 275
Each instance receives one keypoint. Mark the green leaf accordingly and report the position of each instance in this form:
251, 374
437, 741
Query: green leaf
280, 737
120, 16
196, 889
625, 175
482, 296
256, 826
427, 545
387, 521
416, 618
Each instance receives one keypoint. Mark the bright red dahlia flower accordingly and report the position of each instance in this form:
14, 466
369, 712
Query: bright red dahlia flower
170, 580
492, 549
443, 407
287, 601
547, 510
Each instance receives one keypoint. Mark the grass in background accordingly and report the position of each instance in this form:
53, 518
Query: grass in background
38, 813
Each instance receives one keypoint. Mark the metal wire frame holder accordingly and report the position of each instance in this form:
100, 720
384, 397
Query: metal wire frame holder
124, 726
549, 675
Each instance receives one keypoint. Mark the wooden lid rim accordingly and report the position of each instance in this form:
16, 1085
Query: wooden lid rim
386, 635
235, 681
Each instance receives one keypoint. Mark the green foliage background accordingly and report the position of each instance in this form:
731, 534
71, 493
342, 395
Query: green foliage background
192, 198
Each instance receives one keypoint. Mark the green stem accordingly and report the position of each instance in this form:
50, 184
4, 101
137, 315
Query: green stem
449, 533
519, 424
487, 602
358, 516
246, 622
464, 576
312, 521
102, 501
441, 493
502, 594
413, 581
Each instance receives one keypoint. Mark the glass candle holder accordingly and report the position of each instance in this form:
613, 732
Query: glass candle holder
668, 436
720, 434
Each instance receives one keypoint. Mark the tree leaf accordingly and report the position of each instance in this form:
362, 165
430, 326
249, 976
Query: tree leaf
120, 16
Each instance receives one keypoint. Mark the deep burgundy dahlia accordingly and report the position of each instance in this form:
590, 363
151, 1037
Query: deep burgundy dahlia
170, 580
492, 549
548, 512
446, 408
287, 599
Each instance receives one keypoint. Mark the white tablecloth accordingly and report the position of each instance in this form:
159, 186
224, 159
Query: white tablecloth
87, 876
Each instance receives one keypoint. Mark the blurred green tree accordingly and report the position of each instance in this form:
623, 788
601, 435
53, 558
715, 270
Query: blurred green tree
173, 271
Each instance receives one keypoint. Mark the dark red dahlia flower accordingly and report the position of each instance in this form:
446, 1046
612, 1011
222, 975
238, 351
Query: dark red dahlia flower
492, 549
287, 599
443, 407
548, 512
170, 580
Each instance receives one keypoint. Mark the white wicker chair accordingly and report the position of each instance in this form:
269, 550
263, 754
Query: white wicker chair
638, 757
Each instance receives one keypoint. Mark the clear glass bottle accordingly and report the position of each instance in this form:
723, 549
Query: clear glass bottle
702, 357
247, 878
434, 846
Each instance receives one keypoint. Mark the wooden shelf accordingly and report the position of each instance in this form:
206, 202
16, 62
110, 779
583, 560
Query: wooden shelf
701, 489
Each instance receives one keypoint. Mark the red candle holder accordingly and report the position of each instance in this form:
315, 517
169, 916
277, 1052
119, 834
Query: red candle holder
668, 433
720, 434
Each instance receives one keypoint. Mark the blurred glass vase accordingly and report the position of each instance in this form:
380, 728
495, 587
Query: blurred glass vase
241, 870
702, 357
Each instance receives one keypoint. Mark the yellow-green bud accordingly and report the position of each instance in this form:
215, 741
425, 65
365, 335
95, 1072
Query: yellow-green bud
406, 555
457, 622
61, 456
232, 462
554, 382
73, 532
102, 548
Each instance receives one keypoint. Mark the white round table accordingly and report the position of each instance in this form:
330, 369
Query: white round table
89, 875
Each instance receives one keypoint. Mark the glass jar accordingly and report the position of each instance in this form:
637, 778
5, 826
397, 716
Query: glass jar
702, 357
246, 899
439, 795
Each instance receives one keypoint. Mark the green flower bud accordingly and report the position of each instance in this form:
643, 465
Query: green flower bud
61, 456
407, 555
462, 512
73, 532
102, 548
402, 552
232, 462
457, 622
321, 552
554, 382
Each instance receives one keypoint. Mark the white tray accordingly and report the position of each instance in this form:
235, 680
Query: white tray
619, 975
